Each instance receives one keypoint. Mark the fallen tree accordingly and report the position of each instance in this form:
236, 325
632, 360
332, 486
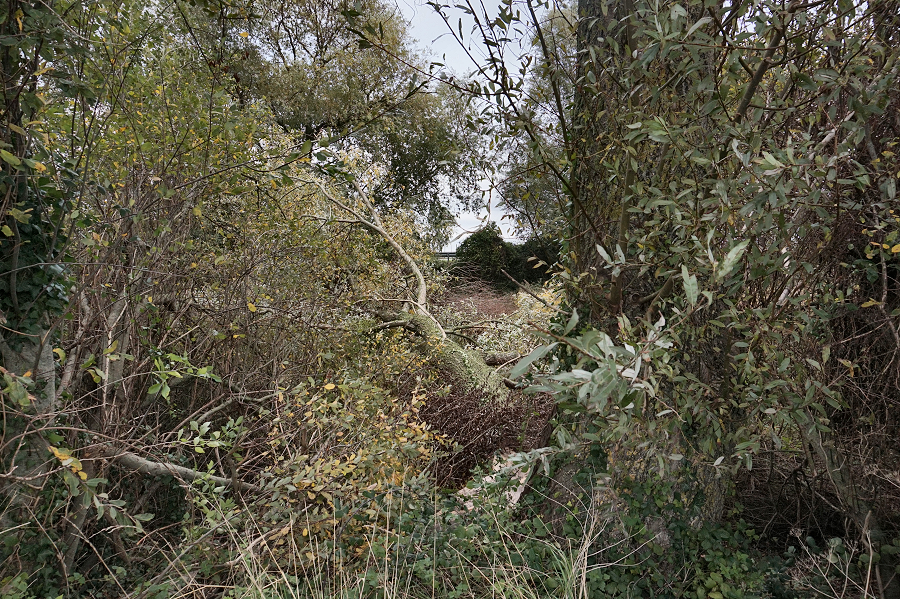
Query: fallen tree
467, 367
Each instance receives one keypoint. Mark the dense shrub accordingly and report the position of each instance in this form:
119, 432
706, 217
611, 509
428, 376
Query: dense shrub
485, 255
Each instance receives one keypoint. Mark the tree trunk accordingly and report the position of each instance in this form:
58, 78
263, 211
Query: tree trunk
34, 356
27, 457
595, 204
466, 367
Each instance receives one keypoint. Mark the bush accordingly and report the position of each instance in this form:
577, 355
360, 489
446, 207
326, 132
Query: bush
646, 543
485, 255
533, 259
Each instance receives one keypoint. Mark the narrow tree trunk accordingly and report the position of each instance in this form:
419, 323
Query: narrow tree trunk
594, 204
33, 356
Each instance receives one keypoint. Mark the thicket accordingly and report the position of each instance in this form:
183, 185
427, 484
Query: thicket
229, 368
486, 256
727, 179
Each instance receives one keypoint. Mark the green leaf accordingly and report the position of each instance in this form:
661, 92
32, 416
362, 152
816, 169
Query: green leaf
573, 321
731, 259
697, 26
9, 158
806, 82
691, 289
22, 216
603, 253
520, 368
19, 394
772, 160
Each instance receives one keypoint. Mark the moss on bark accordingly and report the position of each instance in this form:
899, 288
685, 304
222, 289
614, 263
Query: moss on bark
466, 366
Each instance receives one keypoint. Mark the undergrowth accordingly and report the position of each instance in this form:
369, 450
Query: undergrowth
421, 542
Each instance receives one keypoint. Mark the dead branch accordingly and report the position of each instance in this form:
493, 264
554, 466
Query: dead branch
136, 463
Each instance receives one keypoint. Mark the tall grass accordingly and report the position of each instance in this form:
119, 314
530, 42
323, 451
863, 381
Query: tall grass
490, 565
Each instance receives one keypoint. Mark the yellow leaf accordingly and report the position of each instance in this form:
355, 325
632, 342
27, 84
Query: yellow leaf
329, 386
82, 475
848, 364
251, 307
27, 374
244, 34
896, 249
870, 303
7, 157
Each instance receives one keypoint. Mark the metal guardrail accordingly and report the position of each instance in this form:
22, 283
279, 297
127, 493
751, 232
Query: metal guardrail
444, 256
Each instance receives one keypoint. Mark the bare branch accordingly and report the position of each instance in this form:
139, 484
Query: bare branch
422, 292
136, 463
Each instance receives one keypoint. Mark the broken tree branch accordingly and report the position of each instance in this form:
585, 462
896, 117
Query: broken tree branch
377, 226
133, 462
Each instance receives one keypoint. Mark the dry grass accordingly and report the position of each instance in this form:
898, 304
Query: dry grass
477, 300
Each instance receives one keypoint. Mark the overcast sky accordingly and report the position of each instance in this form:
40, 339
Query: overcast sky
436, 41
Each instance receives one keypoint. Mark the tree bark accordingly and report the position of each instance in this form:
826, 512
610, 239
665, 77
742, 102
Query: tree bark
595, 205
467, 367
136, 463
35, 356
